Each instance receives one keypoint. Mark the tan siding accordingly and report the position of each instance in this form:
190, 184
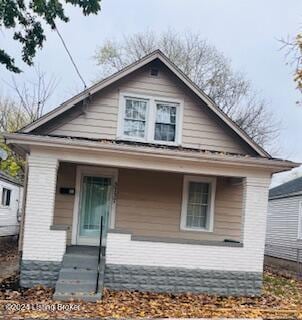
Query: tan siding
64, 203
149, 204
200, 129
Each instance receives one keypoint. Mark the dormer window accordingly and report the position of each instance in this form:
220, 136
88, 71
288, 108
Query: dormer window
165, 123
135, 117
150, 119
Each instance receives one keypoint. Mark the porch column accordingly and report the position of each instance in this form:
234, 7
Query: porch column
254, 217
43, 249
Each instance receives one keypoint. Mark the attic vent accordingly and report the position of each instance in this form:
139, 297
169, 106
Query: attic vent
154, 72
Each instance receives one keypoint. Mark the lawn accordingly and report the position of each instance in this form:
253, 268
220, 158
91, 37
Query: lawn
281, 299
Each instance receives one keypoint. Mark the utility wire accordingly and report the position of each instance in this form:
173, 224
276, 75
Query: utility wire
71, 58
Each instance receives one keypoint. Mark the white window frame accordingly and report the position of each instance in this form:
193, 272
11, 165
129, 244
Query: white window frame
122, 113
185, 198
300, 221
10, 200
150, 118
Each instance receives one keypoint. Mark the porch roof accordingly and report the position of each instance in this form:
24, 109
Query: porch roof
22, 143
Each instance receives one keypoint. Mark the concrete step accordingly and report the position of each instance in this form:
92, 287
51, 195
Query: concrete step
77, 278
71, 286
79, 261
80, 274
83, 250
77, 296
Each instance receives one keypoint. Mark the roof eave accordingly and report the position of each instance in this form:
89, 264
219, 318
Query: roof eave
286, 195
23, 140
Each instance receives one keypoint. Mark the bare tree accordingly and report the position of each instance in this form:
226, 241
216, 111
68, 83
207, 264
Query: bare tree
207, 67
27, 105
33, 95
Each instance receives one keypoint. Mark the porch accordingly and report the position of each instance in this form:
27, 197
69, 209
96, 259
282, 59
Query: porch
147, 247
147, 206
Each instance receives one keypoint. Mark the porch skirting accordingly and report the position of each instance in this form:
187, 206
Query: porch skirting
177, 280
36, 272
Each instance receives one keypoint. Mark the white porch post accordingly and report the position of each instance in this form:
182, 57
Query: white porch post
40, 243
254, 217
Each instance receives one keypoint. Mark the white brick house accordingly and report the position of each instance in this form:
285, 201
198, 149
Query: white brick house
181, 188
10, 206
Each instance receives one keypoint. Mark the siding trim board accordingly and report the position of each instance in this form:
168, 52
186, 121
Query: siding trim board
225, 243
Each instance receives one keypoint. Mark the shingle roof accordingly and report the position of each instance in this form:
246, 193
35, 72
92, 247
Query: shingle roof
287, 188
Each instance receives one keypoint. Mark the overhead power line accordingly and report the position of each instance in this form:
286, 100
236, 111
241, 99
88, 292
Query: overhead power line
71, 58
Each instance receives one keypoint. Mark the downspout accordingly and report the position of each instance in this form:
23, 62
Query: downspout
21, 229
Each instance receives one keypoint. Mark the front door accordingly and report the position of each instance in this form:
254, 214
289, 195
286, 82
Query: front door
94, 202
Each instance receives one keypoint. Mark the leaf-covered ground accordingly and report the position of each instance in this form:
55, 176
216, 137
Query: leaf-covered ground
9, 259
281, 299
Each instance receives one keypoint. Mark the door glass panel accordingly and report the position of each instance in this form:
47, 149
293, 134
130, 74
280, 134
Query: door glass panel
95, 202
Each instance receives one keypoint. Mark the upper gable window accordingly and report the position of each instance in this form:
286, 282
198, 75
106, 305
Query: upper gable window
165, 123
135, 118
150, 119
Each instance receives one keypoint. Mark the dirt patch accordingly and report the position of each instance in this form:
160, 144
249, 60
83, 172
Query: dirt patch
283, 267
9, 259
281, 299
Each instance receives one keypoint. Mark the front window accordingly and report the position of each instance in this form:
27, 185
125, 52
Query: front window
6, 196
135, 118
198, 203
151, 120
165, 123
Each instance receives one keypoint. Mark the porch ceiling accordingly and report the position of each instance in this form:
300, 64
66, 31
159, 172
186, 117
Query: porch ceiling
144, 156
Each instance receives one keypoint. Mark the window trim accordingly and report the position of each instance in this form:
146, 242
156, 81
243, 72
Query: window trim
185, 196
123, 114
152, 101
10, 199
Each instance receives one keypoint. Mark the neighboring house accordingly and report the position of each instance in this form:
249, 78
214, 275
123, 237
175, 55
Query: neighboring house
10, 205
182, 189
284, 221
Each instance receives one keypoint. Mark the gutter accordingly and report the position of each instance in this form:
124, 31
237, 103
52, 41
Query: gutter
55, 142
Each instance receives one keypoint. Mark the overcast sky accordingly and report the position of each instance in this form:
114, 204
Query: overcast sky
246, 31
